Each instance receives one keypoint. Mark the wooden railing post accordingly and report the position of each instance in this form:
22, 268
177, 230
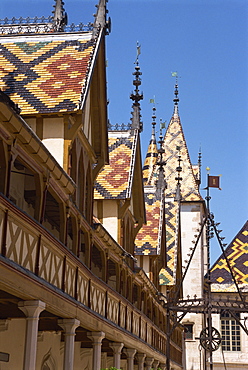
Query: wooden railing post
37, 260
63, 274
106, 304
4, 238
89, 287
76, 285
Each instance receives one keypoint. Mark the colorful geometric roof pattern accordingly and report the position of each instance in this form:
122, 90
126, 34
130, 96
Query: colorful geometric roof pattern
237, 254
167, 276
115, 179
150, 165
148, 238
45, 75
174, 139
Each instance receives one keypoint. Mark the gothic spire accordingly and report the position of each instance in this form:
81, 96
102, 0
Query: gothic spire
174, 139
101, 17
136, 96
60, 16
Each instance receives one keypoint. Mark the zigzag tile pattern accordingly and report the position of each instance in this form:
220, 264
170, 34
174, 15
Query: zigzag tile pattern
167, 276
173, 139
149, 168
147, 239
45, 76
237, 254
113, 180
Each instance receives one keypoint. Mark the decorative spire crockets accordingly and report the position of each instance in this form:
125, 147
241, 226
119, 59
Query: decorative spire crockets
136, 96
101, 17
60, 16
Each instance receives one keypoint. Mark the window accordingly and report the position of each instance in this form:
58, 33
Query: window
230, 332
188, 331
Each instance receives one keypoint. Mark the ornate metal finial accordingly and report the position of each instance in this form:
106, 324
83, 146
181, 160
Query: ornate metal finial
199, 165
161, 183
178, 178
136, 96
153, 122
176, 99
60, 16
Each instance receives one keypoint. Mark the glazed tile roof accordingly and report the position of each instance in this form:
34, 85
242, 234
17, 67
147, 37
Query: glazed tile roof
149, 237
167, 276
150, 165
174, 139
45, 74
115, 179
237, 253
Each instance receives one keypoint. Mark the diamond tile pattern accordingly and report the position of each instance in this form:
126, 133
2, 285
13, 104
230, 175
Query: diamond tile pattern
45, 76
148, 238
237, 254
173, 139
114, 180
167, 276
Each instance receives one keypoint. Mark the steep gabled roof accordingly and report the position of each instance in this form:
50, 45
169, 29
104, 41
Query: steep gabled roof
148, 240
174, 142
48, 73
115, 179
167, 276
237, 254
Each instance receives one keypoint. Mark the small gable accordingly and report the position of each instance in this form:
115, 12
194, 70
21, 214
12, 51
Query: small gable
237, 254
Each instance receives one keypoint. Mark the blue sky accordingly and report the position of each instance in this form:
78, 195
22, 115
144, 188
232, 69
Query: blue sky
206, 42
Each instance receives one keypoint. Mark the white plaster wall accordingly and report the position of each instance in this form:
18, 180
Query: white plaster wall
194, 352
190, 219
110, 217
53, 137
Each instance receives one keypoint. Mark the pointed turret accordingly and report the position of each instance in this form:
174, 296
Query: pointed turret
136, 96
60, 16
149, 169
174, 140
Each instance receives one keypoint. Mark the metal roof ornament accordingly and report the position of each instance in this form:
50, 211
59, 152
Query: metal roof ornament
178, 178
161, 183
136, 96
176, 99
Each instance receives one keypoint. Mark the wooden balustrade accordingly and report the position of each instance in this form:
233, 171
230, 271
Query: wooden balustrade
29, 245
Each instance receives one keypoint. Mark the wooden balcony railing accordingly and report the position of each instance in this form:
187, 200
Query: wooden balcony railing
30, 246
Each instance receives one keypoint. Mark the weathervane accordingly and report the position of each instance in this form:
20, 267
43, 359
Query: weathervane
138, 52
